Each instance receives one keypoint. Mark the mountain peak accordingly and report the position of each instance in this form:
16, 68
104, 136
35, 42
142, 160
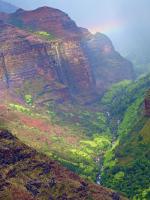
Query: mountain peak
20, 10
47, 8
46, 19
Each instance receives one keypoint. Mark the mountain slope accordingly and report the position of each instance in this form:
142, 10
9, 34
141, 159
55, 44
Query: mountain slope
127, 164
48, 65
61, 53
24, 58
74, 136
108, 65
26, 174
7, 7
53, 61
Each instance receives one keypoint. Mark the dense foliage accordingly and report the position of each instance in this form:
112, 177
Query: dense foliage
78, 145
127, 164
79, 137
82, 159
44, 34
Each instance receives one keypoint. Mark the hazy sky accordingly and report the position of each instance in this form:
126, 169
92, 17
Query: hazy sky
124, 21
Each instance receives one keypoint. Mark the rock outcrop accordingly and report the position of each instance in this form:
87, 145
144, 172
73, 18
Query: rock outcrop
70, 63
26, 174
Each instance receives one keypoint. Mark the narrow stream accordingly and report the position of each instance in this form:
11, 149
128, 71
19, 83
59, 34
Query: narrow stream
100, 164
100, 159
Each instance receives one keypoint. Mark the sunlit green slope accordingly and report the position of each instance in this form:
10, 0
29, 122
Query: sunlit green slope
127, 164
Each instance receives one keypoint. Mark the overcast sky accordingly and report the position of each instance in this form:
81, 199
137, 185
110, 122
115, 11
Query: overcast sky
124, 21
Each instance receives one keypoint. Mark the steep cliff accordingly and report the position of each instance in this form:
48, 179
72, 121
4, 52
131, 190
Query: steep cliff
31, 59
26, 67
26, 174
127, 164
53, 49
108, 65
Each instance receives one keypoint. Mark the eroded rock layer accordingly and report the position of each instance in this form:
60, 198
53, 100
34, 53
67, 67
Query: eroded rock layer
44, 53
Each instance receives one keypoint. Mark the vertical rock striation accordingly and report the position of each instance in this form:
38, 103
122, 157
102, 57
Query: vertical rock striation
69, 62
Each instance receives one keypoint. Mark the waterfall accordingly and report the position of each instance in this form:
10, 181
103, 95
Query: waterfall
100, 163
4, 68
59, 66
58, 56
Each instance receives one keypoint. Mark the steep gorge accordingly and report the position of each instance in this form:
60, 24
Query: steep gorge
52, 61
126, 165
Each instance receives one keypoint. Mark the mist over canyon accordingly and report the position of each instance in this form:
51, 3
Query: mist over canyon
74, 112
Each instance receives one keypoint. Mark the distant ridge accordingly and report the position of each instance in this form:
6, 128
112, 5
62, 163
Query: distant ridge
7, 7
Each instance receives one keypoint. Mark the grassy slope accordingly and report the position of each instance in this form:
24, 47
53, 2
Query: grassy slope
78, 136
126, 165
28, 175
72, 142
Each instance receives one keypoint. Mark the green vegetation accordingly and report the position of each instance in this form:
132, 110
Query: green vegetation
28, 99
45, 35
32, 175
20, 108
92, 122
121, 95
115, 131
95, 138
126, 165
72, 144
82, 158
111, 95
130, 118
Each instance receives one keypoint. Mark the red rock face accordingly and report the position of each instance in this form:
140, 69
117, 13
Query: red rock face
31, 65
76, 66
46, 19
24, 63
74, 63
108, 65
